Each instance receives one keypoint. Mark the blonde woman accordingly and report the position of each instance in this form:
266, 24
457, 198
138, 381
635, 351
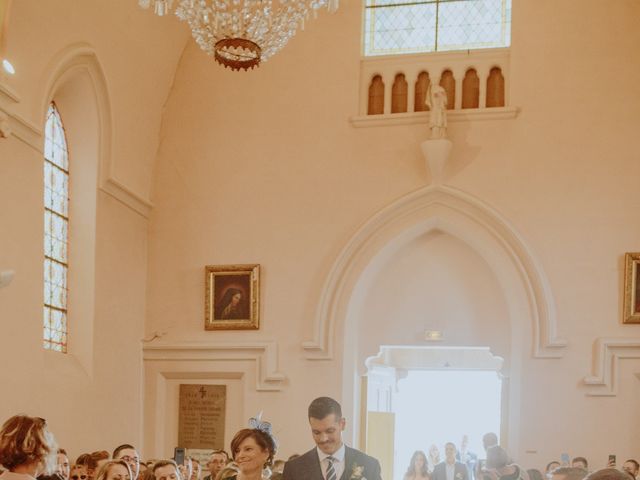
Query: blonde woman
27, 448
114, 470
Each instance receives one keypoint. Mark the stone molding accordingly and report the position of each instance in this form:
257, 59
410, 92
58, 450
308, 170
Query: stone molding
264, 354
453, 211
75, 59
453, 116
410, 357
606, 356
18, 126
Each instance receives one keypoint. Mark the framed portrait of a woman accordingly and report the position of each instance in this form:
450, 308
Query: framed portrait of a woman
631, 303
232, 297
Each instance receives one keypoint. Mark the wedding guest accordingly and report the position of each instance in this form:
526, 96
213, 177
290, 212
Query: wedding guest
467, 457
278, 466
551, 466
217, 461
227, 472
608, 474
166, 470
535, 474
129, 454
197, 469
79, 472
253, 449
631, 467
569, 473
450, 469
100, 457
331, 457
498, 466
434, 457
417, 467
64, 468
489, 440
147, 474
114, 470
27, 448
186, 469
580, 462
89, 462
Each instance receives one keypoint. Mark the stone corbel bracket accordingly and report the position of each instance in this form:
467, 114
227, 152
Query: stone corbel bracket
264, 354
607, 353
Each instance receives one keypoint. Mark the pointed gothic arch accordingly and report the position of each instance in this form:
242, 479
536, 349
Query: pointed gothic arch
530, 302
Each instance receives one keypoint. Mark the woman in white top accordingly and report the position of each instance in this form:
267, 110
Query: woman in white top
27, 448
417, 467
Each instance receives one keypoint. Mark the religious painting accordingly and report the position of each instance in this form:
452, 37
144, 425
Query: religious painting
631, 304
232, 299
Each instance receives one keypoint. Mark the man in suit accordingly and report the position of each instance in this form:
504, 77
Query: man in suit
331, 459
450, 469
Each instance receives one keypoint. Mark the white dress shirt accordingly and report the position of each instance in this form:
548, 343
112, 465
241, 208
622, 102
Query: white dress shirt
451, 471
338, 463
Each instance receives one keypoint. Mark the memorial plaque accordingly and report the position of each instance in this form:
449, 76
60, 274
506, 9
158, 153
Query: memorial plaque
201, 419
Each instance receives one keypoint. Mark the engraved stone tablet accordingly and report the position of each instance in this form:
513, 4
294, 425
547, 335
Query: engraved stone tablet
201, 419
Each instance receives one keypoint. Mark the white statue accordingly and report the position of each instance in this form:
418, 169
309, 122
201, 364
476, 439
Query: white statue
436, 100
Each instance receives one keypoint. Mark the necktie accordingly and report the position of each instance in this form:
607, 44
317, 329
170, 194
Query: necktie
331, 472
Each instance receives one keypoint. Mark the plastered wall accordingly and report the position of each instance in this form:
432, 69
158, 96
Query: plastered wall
265, 167
91, 397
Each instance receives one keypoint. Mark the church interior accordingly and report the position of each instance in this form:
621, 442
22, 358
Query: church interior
366, 260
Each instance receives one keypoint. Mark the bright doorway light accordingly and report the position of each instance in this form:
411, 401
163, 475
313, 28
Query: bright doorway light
439, 406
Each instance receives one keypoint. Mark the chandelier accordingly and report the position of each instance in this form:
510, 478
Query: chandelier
242, 33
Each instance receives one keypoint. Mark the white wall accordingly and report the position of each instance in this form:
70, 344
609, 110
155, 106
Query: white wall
91, 397
266, 168
436, 282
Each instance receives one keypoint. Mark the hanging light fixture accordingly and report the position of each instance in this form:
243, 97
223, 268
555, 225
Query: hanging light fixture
241, 33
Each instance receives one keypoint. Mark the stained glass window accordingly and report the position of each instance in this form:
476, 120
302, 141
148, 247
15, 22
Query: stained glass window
56, 232
413, 26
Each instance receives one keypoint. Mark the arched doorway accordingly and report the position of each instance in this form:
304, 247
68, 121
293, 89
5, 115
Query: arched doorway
417, 398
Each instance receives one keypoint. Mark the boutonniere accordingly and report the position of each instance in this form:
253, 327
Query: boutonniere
357, 472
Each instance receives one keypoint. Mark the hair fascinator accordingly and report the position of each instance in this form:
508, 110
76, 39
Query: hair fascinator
258, 424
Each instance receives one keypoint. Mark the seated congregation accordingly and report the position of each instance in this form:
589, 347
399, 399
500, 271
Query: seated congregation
28, 451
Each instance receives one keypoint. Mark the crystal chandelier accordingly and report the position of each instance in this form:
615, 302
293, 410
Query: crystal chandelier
242, 33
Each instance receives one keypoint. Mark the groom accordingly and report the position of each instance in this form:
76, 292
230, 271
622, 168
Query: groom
331, 459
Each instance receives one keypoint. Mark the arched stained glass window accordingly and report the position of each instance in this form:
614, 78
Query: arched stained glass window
56, 232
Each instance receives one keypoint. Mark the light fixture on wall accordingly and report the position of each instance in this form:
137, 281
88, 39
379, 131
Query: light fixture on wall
8, 67
433, 335
241, 33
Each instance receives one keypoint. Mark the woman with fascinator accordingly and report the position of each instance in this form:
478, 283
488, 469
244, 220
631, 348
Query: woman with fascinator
253, 450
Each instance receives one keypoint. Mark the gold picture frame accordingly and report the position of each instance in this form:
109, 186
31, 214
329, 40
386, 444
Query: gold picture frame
631, 303
232, 297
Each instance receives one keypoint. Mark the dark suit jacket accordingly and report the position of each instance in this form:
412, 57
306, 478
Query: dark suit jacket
440, 472
307, 466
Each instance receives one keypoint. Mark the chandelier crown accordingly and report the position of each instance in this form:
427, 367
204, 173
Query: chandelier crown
240, 34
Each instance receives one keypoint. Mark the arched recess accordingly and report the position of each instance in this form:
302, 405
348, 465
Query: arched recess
80, 61
76, 83
529, 300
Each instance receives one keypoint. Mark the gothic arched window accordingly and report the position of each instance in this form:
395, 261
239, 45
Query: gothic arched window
56, 232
